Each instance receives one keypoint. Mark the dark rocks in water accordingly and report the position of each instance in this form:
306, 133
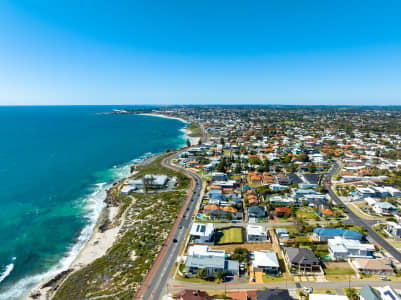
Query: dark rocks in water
56, 278
105, 225
35, 295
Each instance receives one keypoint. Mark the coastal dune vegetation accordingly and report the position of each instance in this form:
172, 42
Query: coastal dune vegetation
148, 218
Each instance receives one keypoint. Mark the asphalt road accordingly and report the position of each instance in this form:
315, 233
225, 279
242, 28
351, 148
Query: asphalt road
158, 286
354, 219
177, 286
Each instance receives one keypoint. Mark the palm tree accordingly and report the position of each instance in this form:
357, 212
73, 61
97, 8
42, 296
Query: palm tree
351, 293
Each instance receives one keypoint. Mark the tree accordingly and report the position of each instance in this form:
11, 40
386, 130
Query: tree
221, 167
299, 224
188, 143
240, 254
220, 275
351, 293
202, 274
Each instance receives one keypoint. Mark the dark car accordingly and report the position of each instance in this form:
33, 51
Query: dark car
175, 241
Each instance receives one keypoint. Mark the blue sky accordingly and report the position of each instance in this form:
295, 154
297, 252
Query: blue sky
200, 52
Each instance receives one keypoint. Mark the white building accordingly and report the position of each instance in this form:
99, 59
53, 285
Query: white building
387, 293
370, 201
266, 261
393, 229
201, 233
384, 208
126, 189
203, 250
256, 233
156, 180
340, 248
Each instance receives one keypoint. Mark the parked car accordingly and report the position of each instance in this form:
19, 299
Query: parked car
385, 278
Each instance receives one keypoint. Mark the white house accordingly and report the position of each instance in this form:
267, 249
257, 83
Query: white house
370, 201
203, 250
387, 293
156, 180
126, 189
340, 248
277, 187
384, 208
365, 192
256, 233
393, 229
266, 261
201, 233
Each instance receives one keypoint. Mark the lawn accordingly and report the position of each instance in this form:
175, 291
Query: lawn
306, 213
339, 271
231, 235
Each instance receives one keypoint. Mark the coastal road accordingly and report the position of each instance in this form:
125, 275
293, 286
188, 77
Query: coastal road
354, 219
157, 286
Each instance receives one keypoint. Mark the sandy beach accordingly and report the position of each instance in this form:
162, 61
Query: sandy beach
95, 247
163, 116
194, 140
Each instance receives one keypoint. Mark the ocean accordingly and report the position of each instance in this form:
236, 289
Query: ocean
55, 165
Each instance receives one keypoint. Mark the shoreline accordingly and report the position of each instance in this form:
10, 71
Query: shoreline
163, 116
193, 140
100, 240
96, 246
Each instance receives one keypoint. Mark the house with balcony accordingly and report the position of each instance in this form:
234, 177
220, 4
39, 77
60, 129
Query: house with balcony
340, 248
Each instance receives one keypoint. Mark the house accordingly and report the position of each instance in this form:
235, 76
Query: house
365, 192
126, 190
315, 198
282, 210
368, 293
282, 233
201, 233
281, 200
254, 178
340, 248
266, 261
212, 265
388, 293
203, 250
380, 266
242, 295
385, 208
370, 201
302, 260
256, 233
308, 185
219, 176
273, 294
325, 212
277, 187
192, 295
393, 229
324, 234
256, 212
156, 181
327, 297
